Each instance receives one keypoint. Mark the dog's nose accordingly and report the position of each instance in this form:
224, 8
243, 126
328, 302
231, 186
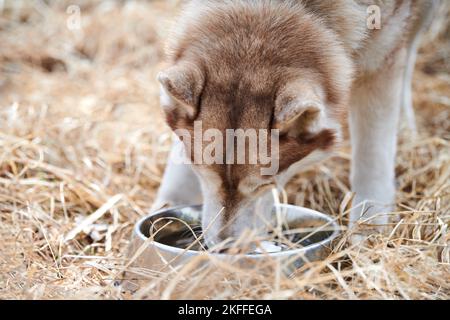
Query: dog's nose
223, 250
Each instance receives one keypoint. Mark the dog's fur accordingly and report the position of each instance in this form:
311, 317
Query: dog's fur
299, 66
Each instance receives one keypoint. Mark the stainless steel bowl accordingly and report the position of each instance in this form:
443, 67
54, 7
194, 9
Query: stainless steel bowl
157, 255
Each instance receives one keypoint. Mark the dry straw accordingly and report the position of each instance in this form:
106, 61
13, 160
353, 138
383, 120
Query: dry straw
82, 151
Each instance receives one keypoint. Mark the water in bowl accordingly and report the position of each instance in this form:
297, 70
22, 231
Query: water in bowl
179, 235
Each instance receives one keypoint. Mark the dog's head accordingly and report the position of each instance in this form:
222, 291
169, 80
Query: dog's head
239, 68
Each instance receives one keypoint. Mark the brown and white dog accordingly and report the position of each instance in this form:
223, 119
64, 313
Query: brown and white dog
300, 67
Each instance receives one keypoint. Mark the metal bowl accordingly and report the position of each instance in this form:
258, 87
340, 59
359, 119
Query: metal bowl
157, 254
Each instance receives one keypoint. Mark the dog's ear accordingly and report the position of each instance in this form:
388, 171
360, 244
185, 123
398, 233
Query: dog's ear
181, 87
300, 108
301, 116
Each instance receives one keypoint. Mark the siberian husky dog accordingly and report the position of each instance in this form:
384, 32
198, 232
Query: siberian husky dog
303, 68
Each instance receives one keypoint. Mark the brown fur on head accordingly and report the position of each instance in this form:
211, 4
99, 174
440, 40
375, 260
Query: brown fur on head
254, 64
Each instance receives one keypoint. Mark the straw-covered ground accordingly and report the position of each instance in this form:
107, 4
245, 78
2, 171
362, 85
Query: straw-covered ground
81, 135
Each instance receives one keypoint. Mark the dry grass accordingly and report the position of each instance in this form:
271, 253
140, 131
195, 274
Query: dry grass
81, 128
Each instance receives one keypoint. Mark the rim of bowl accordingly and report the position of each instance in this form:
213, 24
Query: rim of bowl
329, 220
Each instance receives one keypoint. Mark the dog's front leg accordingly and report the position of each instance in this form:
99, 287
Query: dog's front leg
180, 185
374, 116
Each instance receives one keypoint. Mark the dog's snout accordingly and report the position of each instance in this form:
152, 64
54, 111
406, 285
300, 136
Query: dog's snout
236, 222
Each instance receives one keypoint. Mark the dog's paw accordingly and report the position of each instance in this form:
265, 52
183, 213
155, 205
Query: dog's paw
368, 218
361, 233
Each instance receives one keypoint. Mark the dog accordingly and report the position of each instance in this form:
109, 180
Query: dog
306, 68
